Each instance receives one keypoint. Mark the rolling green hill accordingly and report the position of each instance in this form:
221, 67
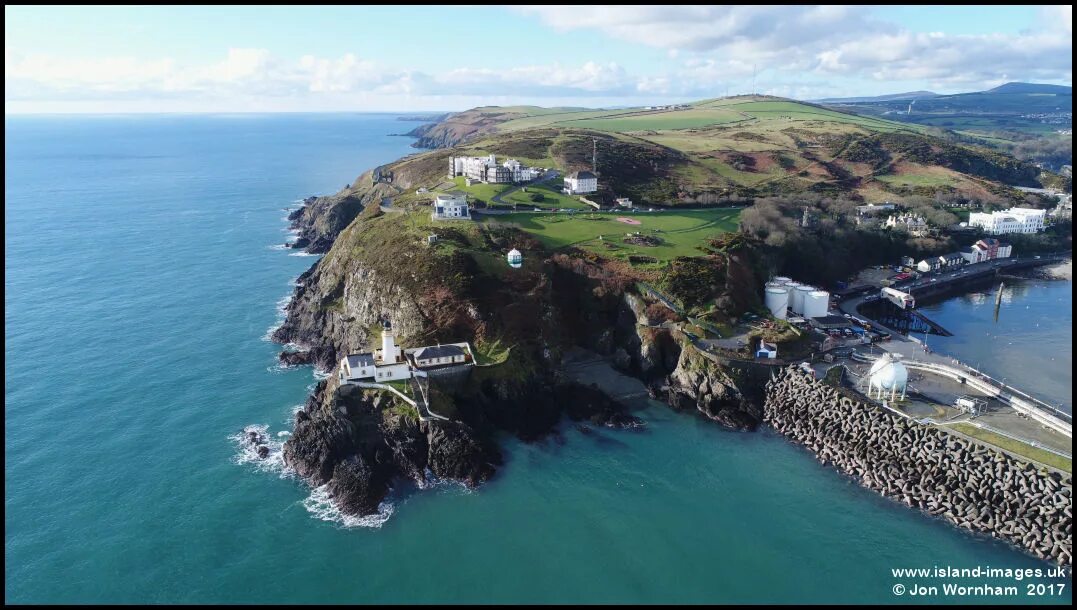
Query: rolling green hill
734, 148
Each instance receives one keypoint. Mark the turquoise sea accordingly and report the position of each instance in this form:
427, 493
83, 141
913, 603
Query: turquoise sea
141, 280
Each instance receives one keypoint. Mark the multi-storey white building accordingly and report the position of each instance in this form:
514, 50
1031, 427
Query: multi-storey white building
472, 167
1013, 220
520, 172
486, 169
450, 206
581, 182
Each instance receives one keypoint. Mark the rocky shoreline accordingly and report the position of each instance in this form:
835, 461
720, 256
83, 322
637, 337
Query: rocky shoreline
359, 443
923, 467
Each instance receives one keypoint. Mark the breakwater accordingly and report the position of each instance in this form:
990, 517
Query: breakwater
926, 468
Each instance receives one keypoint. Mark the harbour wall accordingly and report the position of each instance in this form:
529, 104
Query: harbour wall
923, 467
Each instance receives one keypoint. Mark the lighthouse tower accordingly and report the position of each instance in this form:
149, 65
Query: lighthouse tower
390, 353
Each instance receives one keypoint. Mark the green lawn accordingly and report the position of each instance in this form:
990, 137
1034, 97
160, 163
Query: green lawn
801, 112
480, 190
552, 197
692, 118
681, 232
1033, 453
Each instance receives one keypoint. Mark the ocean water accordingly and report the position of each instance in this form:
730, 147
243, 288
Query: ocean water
1030, 345
141, 279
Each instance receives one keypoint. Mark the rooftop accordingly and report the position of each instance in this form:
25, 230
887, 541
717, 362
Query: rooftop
439, 351
364, 359
584, 175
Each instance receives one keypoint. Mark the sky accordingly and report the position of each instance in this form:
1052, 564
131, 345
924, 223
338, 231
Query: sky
444, 58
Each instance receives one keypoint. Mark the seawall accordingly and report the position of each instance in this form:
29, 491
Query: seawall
926, 468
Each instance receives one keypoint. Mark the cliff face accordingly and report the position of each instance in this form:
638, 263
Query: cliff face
358, 443
719, 393
458, 127
379, 269
321, 219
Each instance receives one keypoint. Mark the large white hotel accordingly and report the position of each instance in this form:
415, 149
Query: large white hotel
1013, 220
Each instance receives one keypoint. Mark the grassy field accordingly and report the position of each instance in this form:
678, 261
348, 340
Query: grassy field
1017, 447
664, 120
480, 190
729, 145
680, 232
793, 111
552, 197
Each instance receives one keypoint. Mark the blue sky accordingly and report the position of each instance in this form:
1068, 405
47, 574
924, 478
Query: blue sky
234, 59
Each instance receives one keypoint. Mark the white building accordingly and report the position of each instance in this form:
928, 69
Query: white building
472, 167
624, 202
385, 364
516, 260
766, 350
450, 206
914, 225
871, 208
1013, 220
438, 355
581, 182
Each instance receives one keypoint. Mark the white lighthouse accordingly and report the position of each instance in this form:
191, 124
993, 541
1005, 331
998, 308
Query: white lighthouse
390, 353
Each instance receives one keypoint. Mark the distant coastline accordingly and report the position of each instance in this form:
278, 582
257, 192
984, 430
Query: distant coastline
423, 118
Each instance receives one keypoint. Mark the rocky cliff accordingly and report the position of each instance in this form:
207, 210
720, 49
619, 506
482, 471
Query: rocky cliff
380, 269
715, 391
321, 219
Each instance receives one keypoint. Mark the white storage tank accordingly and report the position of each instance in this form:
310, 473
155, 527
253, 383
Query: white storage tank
816, 304
788, 290
781, 279
800, 295
791, 286
777, 300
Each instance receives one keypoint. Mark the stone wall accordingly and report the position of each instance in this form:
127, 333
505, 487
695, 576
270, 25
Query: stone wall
923, 467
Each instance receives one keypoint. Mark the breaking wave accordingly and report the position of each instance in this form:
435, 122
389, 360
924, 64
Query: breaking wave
247, 450
320, 505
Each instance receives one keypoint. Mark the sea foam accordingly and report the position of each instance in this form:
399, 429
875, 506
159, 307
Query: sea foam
320, 505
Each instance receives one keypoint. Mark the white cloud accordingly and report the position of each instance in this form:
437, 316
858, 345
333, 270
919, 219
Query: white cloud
953, 61
730, 42
257, 72
705, 51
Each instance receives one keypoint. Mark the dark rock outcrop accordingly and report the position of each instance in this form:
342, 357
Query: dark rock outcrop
703, 385
296, 358
357, 486
591, 404
457, 452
